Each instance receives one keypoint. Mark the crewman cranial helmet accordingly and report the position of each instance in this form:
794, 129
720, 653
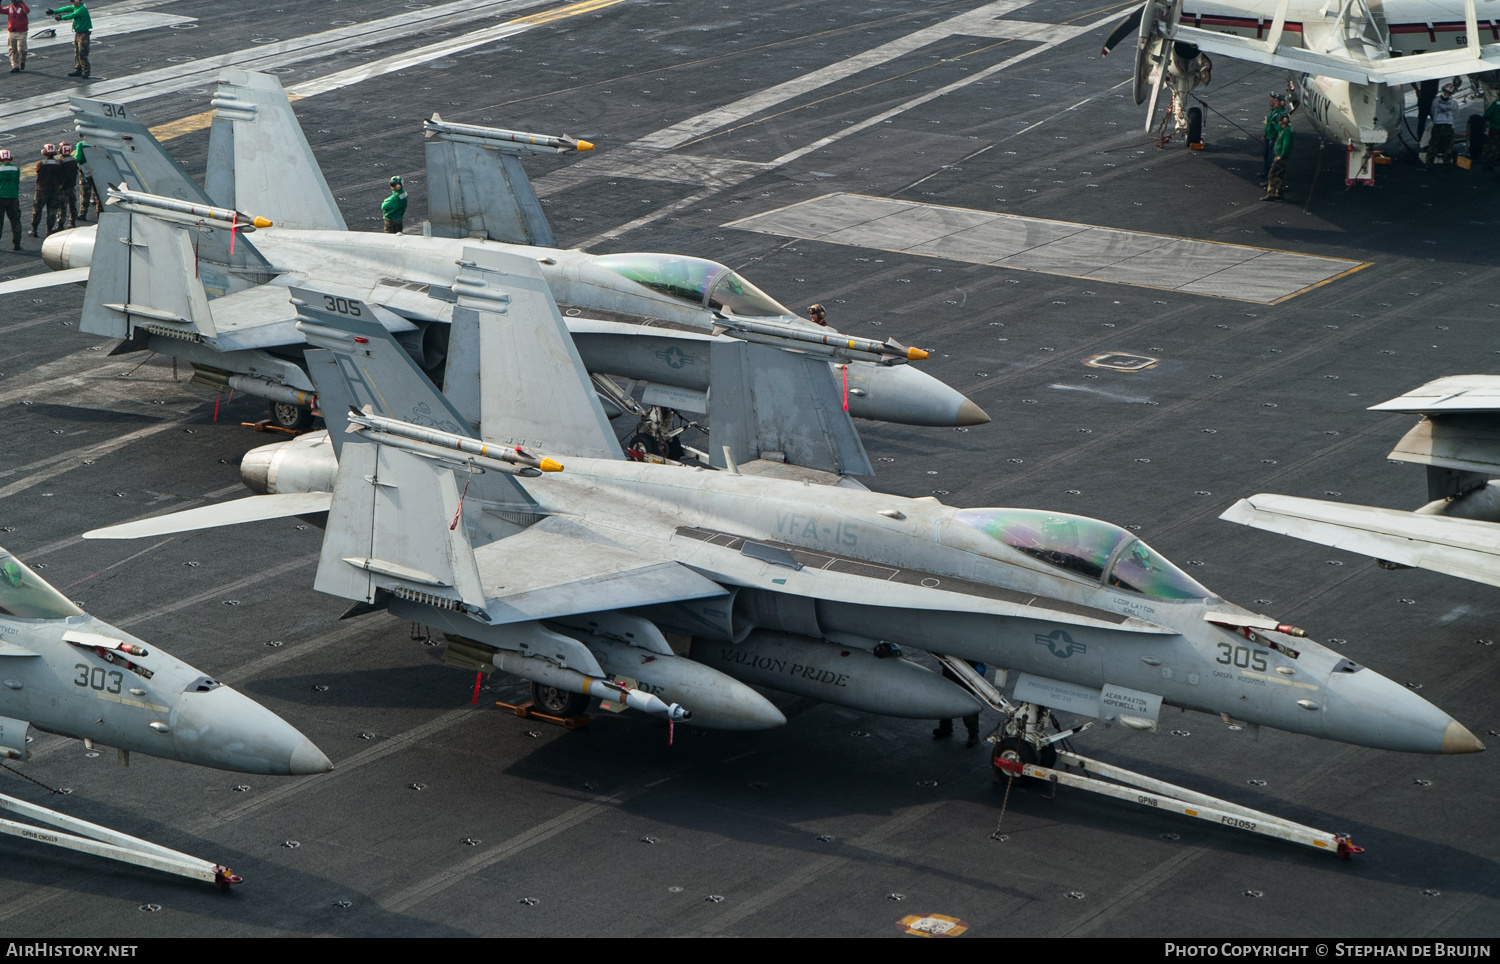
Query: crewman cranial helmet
1277, 95
396, 181
4, 155
1448, 90
48, 150
63, 147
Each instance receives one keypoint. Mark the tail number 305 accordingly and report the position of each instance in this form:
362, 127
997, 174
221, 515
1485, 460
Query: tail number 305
1242, 656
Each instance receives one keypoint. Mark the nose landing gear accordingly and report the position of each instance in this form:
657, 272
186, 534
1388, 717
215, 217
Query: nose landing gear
1024, 751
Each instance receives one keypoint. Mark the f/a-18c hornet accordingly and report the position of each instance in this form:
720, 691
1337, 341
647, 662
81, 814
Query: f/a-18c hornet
63, 671
647, 325
1352, 59
578, 572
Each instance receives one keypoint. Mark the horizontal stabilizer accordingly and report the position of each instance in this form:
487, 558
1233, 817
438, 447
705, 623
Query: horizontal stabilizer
47, 279
558, 568
257, 508
1457, 547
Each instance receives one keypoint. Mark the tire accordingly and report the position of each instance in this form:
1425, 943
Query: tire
292, 417
1195, 126
556, 702
650, 444
1476, 137
1017, 749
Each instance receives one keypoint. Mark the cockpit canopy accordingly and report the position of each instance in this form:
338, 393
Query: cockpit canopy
701, 282
26, 595
1086, 547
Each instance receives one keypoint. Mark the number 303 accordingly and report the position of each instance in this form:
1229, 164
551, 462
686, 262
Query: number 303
98, 678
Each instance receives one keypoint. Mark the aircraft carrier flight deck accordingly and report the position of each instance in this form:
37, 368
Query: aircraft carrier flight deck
1151, 341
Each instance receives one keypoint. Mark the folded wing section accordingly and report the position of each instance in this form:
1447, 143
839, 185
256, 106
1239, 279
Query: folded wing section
1458, 547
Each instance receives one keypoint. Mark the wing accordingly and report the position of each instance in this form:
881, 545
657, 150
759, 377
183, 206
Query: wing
558, 568
254, 509
1474, 57
45, 279
1460, 432
1456, 393
1458, 547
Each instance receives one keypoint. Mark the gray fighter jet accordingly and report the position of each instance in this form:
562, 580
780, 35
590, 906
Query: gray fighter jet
63, 671
600, 578
1455, 532
243, 334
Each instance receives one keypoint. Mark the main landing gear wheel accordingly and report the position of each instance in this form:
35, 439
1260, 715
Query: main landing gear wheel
1195, 128
293, 418
1013, 749
556, 702
651, 444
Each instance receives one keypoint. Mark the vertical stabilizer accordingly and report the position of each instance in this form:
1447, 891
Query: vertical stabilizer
534, 390
476, 187
389, 529
145, 273
769, 400
362, 364
121, 149
259, 159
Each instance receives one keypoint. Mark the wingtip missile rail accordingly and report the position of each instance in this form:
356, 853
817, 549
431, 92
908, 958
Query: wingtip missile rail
498, 138
187, 212
416, 438
840, 346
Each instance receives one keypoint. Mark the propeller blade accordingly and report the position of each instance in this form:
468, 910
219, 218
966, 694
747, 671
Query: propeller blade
1131, 24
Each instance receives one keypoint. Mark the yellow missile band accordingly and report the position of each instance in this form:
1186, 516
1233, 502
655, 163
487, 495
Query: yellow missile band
547, 465
915, 354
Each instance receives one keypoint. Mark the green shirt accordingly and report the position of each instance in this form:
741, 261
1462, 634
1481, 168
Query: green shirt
79, 14
10, 181
1284, 142
1273, 122
1492, 115
393, 208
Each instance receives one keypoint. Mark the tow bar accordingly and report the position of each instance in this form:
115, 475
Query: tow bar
111, 844
1143, 790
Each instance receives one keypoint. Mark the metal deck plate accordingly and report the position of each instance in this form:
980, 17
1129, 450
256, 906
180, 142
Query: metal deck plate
1065, 248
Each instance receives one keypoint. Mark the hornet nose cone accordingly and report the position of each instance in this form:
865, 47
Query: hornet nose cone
1458, 739
222, 728
1367, 709
971, 414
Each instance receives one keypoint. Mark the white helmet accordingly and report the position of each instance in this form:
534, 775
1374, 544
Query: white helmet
4, 155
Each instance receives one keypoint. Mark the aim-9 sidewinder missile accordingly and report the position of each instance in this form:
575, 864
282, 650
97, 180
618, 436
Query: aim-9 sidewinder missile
839, 346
